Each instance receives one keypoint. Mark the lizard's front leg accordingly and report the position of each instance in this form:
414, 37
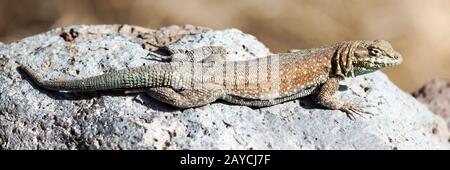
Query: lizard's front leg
327, 99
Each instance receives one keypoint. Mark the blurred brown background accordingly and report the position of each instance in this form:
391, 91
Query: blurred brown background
418, 29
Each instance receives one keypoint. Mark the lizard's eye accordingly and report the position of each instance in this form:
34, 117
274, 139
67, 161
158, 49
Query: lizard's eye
374, 52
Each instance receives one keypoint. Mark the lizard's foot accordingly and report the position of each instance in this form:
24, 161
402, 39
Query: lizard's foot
352, 109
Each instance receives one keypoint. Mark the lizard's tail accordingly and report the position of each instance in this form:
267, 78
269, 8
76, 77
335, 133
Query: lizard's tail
131, 78
30, 72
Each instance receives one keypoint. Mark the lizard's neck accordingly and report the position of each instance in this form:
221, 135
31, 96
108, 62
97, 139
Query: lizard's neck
342, 61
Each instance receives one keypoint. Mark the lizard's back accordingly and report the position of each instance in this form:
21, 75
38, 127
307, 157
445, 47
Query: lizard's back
265, 78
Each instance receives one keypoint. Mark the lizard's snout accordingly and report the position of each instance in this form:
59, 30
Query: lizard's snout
398, 57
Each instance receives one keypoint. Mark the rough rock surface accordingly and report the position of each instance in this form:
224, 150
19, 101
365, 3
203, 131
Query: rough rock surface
436, 95
33, 118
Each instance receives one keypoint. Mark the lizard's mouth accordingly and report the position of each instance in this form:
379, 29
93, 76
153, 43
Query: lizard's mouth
390, 64
381, 62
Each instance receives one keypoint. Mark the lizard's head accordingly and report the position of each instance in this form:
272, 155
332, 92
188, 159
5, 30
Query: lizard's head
360, 57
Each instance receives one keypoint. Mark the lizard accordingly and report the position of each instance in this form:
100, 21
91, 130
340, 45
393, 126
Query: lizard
197, 77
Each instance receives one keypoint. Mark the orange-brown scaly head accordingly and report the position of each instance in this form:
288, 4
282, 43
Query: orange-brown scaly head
360, 57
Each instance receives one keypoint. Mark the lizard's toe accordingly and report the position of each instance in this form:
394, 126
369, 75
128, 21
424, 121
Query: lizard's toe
352, 111
349, 114
157, 57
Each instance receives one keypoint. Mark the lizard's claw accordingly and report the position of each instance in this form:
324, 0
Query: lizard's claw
351, 110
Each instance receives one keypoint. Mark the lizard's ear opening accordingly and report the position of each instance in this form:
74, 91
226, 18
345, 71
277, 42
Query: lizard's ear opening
361, 53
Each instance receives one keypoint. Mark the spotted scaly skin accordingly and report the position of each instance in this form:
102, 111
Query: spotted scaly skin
200, 76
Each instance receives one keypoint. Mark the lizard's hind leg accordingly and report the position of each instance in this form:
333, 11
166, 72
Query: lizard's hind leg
201, 54
185, 98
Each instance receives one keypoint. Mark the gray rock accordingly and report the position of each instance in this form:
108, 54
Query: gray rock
436, 95
33, 118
